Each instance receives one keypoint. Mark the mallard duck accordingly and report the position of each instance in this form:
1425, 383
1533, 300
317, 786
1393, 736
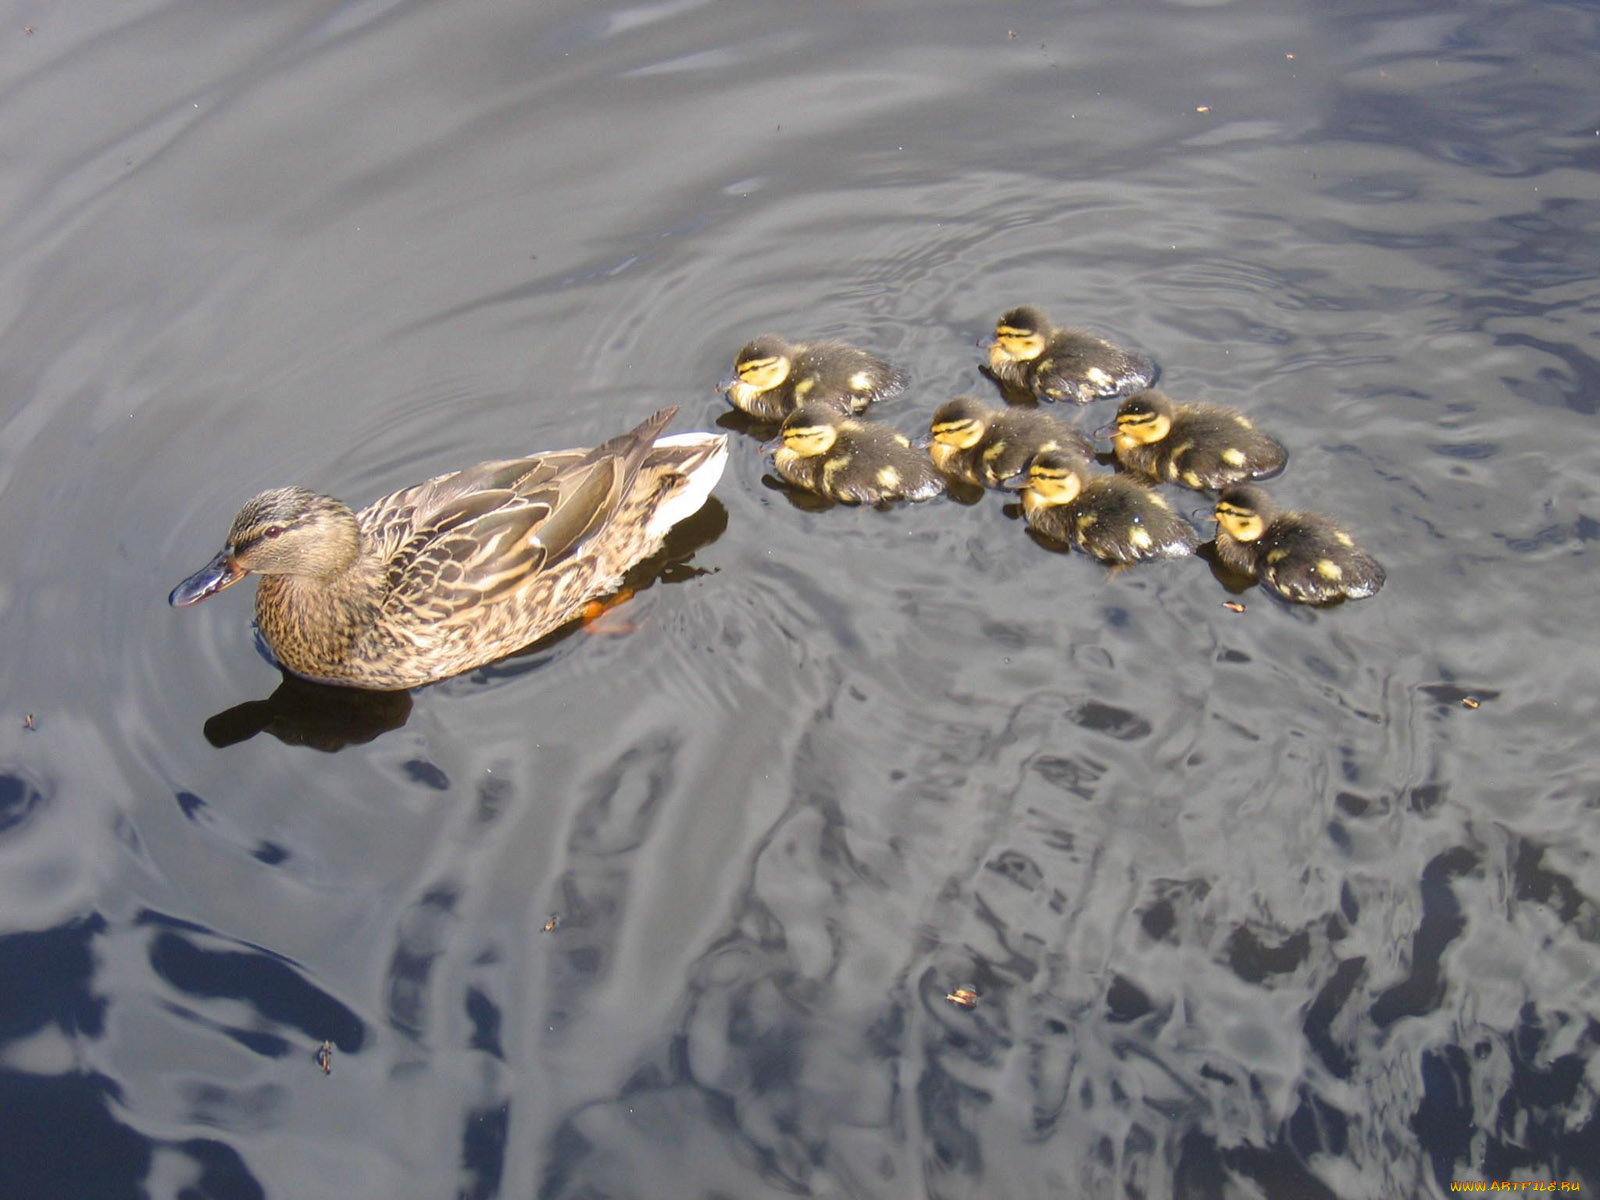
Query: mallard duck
1201, 446
987, 446
1035, 356
1116, 518
773, 377
460, 570
824, 451
1303, 557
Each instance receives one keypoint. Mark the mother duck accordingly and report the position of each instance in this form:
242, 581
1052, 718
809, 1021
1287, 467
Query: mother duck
463, 569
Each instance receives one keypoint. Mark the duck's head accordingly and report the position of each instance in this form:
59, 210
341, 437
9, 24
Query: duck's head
811, 430
1244, 512
1019, 336
1054, 478
762, 365
286, 531
1143, 418
956, 426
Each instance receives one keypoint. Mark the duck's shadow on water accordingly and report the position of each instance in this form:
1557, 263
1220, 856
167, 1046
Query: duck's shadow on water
736, 421
316, 715
311, 714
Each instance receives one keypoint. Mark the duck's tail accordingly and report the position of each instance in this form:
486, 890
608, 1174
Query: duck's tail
694, 462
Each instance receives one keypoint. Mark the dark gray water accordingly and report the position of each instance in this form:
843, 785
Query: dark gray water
1256, 905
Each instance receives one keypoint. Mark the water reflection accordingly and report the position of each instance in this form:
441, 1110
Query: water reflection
1256, 903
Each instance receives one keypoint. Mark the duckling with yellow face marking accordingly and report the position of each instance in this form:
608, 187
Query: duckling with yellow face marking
1303, 557
1032, 355
987, 446
1201, 446
824, 451
773, 377
1116, 518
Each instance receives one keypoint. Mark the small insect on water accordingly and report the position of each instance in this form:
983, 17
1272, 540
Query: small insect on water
963, 997
27, 722
1233, 606
1470, 702
325, 1057
552, 922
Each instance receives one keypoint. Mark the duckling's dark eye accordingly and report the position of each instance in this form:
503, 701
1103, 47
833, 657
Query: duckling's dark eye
272, 531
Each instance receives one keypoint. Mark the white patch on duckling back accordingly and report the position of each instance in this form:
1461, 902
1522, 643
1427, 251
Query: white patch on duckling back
861, 381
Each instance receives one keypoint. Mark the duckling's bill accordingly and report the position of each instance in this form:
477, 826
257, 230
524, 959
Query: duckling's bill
221, 572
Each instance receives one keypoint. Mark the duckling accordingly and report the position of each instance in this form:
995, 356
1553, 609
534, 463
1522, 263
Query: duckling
987, 446
1198, 445
826, 452
1116, 518
773, 377
1303, 557
1033, 355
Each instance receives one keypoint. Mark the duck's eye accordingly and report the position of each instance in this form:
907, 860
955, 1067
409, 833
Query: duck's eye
272, 531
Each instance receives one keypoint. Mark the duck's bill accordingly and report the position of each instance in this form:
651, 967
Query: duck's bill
771, 447
221, 572
1015, 483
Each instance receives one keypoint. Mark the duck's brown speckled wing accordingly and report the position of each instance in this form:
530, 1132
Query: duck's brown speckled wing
462, 541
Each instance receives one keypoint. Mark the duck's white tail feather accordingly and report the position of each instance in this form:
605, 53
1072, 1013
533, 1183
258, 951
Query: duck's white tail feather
700, 458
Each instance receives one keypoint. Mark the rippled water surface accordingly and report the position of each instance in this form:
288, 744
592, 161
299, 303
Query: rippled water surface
1256, 903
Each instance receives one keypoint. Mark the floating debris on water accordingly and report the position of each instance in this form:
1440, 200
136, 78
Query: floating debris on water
325, 1057
963, 997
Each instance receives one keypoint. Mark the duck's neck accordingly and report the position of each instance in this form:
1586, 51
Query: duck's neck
313, 622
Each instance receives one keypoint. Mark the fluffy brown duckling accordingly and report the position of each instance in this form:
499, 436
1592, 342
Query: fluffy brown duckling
1303, 557
1201, 446
836, 456
1116, 518
986, 446
773, 377
1051, 363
